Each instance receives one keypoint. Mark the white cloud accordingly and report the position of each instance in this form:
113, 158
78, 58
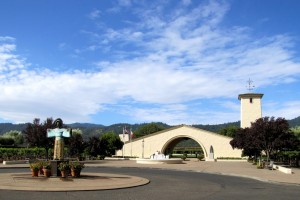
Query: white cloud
8, 60
94, 14
175, 116
62, 46
7, 39
288, 110
7, 48
176, 59
186, 2
124, 2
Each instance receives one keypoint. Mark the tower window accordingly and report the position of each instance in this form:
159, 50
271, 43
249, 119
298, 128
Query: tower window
251, 100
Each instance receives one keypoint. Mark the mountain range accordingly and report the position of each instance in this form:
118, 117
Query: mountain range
90, 129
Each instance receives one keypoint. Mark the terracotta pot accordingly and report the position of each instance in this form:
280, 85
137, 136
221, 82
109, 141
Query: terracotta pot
75, 172
47, 172
64, 174
41, 171
35, 172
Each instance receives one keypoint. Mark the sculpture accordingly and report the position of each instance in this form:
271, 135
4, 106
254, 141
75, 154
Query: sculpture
59, 133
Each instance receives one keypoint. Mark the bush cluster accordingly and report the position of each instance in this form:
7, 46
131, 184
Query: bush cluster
23, 153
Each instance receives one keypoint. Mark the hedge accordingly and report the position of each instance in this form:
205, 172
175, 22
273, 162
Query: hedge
23, 153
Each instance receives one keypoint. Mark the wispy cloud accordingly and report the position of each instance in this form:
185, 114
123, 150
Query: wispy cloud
186, 2
163, 58
94, 14
7, 39
124, 2
288, 110
9, 62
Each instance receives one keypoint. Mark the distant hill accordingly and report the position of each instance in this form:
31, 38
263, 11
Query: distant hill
89, 129
294, 122
85, 125
217, 127
6, 127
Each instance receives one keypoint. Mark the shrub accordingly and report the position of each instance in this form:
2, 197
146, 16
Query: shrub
184, 156
64, 166
76, 165
200, 157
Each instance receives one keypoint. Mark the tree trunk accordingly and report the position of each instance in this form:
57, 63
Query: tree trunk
47, 153
268, 156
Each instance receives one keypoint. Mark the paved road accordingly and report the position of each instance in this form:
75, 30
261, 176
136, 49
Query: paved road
169, 184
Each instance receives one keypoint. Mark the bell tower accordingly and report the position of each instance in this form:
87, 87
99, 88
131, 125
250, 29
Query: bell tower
251, 108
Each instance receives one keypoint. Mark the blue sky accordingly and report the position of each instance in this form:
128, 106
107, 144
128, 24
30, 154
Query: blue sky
135, 61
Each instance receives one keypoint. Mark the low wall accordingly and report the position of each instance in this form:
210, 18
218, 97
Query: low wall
282, 169
12, 162
162, 161
232, 160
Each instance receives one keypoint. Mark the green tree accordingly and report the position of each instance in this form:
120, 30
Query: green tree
229, 131
296, 131
110, 142
77, 131
76, 144
93, 147
6, 141
15, 135
148, 129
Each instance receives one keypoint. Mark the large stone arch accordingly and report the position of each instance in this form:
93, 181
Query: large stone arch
173, 141
147, 145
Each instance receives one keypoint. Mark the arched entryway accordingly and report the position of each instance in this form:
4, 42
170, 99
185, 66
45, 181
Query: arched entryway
183, 145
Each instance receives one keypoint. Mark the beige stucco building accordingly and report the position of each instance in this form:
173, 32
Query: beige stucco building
213, 145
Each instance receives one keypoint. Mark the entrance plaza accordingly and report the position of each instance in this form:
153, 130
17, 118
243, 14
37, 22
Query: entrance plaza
98, 181
232, 168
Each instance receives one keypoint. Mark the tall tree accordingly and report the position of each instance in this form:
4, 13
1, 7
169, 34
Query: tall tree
76, 145
93, 146
247, 141
110, 142
274, 135
266, 134
36, 134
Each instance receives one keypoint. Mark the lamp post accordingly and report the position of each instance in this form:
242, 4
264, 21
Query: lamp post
143, 148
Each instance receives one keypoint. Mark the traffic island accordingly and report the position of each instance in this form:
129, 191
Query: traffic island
87, 182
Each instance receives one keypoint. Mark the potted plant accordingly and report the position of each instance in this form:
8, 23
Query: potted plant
41, 164
47, 169
35, 168
260, 164
76, 168
64, 168
184, 156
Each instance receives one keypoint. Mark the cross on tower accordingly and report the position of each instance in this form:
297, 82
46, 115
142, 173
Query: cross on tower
250, 85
